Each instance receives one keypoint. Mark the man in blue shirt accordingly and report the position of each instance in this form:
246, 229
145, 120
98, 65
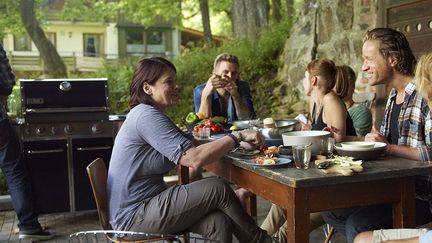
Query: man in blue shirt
12, 165
223, 94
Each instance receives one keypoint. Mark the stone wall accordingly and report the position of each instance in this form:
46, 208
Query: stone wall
331, 29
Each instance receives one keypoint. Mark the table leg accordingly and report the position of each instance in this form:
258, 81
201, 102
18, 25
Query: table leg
404, 210
183, 172
251, 206
298, 216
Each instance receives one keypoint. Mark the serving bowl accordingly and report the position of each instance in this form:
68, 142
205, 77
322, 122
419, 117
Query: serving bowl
357, 144
245, 124
364, 153
273, 136
285, 150
317, 139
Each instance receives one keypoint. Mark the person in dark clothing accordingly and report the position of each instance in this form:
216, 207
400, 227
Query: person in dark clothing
328, 109
14, 169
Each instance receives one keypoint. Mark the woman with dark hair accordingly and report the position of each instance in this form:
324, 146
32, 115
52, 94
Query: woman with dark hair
149, 145
320, 78
328, 109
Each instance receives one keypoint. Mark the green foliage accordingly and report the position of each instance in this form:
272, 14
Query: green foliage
258, 65
79, 10
145, 11
257, 59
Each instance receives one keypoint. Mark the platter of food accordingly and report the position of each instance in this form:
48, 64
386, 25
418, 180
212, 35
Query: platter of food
265, 161
267, 157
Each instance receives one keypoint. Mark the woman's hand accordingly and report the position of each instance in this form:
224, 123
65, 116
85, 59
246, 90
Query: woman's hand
334, 133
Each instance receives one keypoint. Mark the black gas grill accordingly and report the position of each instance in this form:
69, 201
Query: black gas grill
66, 126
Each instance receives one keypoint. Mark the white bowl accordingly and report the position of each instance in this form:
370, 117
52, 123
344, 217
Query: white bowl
363, 153
318, 139
358, 144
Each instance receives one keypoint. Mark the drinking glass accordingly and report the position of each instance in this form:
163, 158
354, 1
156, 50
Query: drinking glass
302, 156
204, 132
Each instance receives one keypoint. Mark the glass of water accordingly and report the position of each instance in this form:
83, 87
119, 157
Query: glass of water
302, 156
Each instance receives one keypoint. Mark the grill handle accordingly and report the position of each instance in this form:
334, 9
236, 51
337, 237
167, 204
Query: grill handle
106, 147
45, 151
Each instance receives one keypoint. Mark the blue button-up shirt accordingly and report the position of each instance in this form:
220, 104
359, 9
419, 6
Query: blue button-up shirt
217, 102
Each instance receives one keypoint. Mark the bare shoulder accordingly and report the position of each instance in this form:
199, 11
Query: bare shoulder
331, 99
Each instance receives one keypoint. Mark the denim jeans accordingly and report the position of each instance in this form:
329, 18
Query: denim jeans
17, 176
350, 222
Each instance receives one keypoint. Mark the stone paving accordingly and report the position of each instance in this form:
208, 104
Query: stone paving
64, 224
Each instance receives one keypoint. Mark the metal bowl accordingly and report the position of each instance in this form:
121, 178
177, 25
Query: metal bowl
286, 125
245, 124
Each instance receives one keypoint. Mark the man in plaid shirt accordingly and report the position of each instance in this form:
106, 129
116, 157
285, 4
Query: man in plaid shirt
406, 128
12, 165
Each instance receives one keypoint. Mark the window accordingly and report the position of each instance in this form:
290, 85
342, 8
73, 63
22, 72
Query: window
155, 42
134, 42
51, 36
92, 45
22, 43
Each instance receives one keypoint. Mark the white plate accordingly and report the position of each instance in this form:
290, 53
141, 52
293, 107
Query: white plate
377, 146
358, 144
281, 162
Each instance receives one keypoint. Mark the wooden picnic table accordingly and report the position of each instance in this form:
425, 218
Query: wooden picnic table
300, 192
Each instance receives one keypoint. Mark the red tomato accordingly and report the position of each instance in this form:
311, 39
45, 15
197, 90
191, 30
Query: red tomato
220, 127
264, 148
195, 128
209, 123
214, 129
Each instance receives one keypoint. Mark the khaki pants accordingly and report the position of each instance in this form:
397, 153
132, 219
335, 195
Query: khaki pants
275, 222
397, 234
208, 207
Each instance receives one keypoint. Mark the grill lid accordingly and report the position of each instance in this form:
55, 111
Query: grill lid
64, 99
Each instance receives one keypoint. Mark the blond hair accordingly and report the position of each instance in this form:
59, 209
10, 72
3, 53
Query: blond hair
226, 57
423, 77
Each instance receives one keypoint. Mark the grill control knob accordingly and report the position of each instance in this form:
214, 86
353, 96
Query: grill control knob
96, 128
68, 129
54, 130
39, 131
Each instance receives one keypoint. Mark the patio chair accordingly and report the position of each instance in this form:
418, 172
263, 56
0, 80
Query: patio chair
97, 174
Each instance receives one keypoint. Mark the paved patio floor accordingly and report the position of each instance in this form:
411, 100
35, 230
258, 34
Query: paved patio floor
63, 224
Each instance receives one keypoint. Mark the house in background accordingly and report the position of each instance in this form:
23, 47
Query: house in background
85, 46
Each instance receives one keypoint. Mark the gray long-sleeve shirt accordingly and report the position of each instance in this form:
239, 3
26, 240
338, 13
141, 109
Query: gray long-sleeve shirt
147, 146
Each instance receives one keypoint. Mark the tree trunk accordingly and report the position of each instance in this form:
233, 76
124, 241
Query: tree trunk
205, 16
290, 8
54, 66
249, 17
276, 11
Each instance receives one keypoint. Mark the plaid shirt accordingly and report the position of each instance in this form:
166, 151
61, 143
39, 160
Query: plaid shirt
415, 130
7, 78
